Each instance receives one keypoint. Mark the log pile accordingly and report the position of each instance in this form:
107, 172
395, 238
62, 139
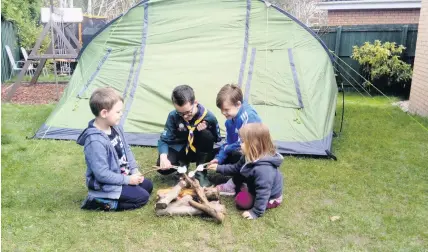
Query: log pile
189, 198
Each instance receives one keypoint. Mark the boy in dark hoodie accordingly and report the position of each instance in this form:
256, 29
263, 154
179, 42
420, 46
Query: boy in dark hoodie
112, 176
258, 169
189, 135
230, 101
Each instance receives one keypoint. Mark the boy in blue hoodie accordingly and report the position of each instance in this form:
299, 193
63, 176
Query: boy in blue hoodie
112, 176
231, 103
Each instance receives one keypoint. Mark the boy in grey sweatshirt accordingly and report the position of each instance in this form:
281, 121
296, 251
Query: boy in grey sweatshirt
112, 176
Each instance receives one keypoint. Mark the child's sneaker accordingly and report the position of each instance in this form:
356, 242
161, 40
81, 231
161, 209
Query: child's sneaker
227, 189
99, 204
88, 204
106, 204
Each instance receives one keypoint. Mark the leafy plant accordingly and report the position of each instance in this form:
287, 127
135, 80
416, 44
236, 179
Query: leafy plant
383, 61
25, 15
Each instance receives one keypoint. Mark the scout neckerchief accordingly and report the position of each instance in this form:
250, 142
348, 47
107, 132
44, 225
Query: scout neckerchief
202, 112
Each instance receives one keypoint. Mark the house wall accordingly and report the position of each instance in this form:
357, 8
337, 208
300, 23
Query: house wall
362, 17
419, 92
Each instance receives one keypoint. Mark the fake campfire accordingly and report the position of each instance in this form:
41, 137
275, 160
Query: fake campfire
189, 198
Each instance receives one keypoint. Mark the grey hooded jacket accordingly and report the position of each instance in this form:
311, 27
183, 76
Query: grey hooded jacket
103, 176
263, 179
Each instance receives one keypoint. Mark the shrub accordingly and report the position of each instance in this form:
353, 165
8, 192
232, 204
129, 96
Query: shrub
383, 61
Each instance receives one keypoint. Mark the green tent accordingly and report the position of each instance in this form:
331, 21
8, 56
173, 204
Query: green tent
285, 71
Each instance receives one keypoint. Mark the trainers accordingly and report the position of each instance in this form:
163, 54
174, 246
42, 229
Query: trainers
99, 204
87, 204
106, 204
227, 189
202, 177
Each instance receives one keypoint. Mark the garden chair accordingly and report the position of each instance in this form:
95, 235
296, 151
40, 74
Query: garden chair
14, 64
25, 54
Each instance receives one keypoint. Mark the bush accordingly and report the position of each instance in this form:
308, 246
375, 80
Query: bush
24, 14
382, 61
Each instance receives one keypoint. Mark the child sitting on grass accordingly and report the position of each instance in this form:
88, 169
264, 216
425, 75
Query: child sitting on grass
189, 136
259, 169
230, 101
112, 176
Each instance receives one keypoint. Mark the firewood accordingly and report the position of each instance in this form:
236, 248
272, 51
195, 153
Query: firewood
212, 193
161, 193
171, 195
211, 209
181, 207
204, 205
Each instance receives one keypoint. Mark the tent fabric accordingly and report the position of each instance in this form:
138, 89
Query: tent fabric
285, 71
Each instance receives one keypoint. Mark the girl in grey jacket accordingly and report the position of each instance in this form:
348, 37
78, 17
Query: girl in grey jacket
258, 169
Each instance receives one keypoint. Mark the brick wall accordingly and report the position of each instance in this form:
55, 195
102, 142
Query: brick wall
419, 91
361, 17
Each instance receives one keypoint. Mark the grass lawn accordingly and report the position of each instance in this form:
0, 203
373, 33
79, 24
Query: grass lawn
378, 187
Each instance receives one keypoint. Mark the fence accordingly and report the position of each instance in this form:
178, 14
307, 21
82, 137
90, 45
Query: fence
8, 37
341, 40
338, 39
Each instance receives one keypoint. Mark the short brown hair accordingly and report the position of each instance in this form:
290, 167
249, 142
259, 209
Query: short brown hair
257, 140
229, 92
103, 98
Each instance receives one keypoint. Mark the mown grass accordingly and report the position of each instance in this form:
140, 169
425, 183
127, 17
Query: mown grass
378, 187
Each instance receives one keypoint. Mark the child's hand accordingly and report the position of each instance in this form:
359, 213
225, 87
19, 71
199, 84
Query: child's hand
247, 215
164, 162
136, 179
214, 161
212, 167
201, 126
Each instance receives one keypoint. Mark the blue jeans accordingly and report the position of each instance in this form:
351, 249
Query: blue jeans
135, 196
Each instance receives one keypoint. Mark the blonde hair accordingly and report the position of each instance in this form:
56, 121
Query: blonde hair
257, 140
103, 98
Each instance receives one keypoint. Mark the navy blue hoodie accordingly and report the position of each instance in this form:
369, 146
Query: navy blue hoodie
175, 133
263, 179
